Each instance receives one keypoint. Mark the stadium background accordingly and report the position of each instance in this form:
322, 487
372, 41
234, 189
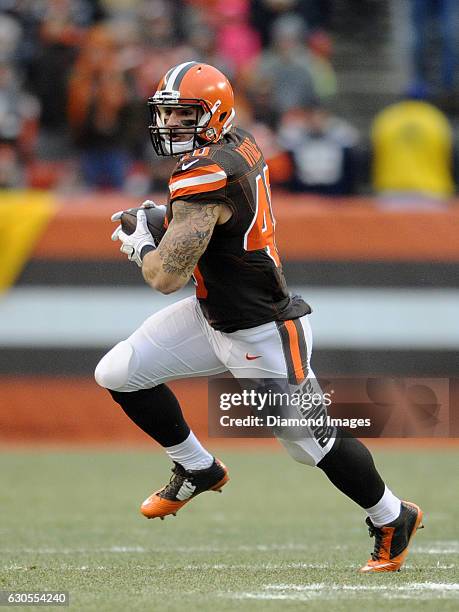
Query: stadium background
382, 281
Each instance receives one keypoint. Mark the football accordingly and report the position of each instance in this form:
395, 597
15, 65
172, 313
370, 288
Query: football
155, 220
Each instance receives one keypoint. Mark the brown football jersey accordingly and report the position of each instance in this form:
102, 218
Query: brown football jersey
239, 278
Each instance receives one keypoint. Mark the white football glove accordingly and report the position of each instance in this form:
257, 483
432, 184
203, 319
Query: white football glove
132, 244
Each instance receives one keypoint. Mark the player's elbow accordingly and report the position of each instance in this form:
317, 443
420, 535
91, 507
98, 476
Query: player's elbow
166, 284
158, 278
166, 288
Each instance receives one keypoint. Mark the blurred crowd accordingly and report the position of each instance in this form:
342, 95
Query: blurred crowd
75, 76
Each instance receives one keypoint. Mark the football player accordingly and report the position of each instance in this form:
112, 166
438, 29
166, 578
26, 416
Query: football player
220, 230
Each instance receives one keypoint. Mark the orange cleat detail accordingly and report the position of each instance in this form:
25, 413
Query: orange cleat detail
183, 486
155, 506
392, 541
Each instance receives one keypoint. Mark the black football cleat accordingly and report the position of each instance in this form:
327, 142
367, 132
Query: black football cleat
392, 540
183, 486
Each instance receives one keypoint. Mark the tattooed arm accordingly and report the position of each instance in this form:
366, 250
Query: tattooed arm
171, 265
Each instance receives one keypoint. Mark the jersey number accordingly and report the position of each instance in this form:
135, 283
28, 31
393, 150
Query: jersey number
260, 234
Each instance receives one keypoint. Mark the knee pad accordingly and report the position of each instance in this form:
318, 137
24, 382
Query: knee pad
297, 452
113, 370
306, 450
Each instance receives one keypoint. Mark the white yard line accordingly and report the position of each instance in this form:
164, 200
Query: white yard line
294, 592
447, 547
141, 549
438, 548
433, 586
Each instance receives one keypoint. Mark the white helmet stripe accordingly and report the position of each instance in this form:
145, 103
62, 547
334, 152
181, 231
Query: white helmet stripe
228, 123
166, 76
170, 84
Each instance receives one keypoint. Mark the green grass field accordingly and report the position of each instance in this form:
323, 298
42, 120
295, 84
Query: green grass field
279, 537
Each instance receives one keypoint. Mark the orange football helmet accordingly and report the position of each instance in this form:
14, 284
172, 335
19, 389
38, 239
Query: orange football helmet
197, 86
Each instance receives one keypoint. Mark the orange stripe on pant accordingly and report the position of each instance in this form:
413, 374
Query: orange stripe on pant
295, 351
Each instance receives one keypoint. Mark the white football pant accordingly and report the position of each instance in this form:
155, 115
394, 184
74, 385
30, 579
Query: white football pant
177, 342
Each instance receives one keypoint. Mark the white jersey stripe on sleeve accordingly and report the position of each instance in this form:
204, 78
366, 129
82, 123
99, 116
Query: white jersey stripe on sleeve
198, 180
